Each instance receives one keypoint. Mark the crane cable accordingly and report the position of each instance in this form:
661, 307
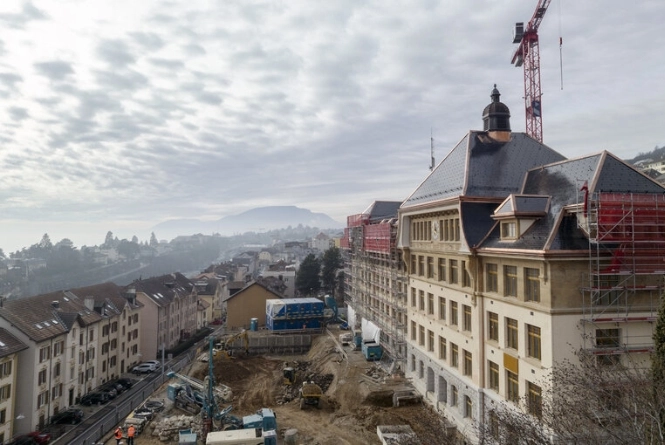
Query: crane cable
560, 47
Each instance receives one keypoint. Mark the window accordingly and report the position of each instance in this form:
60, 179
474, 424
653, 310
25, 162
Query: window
413, 297
454, 355
457, 231
42, 399
421, 300
58, 348
56, 391
430, 341
535, 399
413, 330
105, 330
493, 326
44, 354
491, 278
512, 383
453, 312
493, 376
468, 363
421, 335
430, 303
421, 265
510, 281
5, 392
56, 370
509, 230
466, 325
414, 262
430, 267
442, 308
532, 284
5, 369
466, 278
511, 333
468, 407
494, 425
442, 348
41, 377
533, 345
442, 269
453, 272
92, 336
608, 339
454, 395
3, 417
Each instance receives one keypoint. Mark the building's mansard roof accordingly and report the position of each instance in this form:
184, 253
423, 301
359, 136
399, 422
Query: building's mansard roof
164, 289
484, 168
380, 210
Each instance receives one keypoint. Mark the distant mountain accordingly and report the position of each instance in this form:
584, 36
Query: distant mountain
255, 220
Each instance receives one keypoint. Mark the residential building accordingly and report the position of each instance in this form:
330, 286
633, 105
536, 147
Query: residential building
60, 363
286, 272
168, 314
321, 242
10, 346
120, 333
248, 303
209, 288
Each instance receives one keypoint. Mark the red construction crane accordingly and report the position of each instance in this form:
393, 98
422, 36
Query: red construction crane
528, 54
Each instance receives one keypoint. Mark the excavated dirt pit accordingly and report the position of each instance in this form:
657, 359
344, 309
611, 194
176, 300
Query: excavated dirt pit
357, 397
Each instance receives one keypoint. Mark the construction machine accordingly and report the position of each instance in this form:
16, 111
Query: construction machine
310, 394
289, 374
226, 346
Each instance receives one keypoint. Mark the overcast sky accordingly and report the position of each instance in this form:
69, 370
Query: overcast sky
117, 115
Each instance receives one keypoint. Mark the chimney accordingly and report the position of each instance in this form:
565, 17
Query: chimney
496, 118
89, 303
55, 304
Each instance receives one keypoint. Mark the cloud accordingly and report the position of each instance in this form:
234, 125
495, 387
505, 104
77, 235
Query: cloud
115, 52
18, 113
148, 40
28, 14
10, 79
55, 70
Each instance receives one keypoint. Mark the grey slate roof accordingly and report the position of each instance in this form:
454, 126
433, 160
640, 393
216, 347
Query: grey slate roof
482, 167
10, 344
380, 210
162, 290
562, 181
39, 318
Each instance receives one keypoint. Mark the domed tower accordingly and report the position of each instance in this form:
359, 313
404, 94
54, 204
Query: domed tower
496, 118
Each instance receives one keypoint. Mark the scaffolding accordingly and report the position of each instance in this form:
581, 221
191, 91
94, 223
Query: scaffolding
375, 280
626, 233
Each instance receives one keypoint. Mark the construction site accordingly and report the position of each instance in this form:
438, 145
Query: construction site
357, 398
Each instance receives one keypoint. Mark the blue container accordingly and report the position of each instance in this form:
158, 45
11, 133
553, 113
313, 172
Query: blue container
372, 350
297, 308
254, 324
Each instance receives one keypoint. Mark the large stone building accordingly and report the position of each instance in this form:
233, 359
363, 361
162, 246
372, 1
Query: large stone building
516, 259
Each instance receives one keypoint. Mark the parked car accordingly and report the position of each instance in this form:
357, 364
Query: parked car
143, 368
70, 415
156, 363
109, 391
125, 382
38, 437
94, 398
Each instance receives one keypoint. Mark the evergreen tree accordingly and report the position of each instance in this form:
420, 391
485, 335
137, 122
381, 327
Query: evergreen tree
658, 361
153, 240
332, 262
307, 278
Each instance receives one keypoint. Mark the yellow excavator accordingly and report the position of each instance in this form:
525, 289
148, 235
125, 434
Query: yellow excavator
226, 346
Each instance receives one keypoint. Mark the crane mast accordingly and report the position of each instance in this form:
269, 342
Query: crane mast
527, 54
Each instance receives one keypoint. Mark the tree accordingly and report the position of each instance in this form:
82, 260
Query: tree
2, 253
108, 240
45, 244
153, 240
135, 239
591, 402
332, 262
658, 358
307, 278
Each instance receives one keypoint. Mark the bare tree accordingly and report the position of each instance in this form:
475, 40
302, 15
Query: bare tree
590, 402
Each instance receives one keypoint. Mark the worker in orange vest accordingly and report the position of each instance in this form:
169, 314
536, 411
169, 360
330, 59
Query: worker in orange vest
118, 435
131, 432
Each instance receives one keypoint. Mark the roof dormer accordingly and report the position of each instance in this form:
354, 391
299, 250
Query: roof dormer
517, 213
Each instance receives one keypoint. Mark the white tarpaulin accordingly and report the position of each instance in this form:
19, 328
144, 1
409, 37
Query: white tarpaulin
351, 316
370, 331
